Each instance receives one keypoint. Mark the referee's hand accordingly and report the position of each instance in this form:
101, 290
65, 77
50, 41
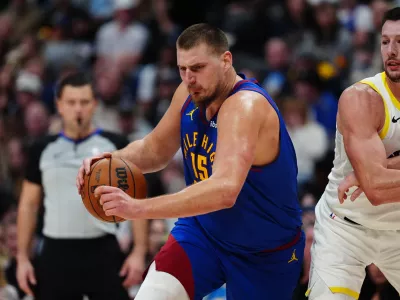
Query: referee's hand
85, 169
25, 276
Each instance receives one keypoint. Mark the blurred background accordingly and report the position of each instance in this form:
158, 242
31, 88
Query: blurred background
303, 52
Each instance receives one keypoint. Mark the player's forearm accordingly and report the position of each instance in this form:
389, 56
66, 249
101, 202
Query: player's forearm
384, 187
26, 225
393, 163
140, 236
200, 198
142, 154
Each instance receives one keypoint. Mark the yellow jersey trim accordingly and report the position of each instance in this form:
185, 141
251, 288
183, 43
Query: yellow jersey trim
395, 102
346, 291
340, 290
385, 128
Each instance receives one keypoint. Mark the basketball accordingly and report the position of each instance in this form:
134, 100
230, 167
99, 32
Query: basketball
112, 172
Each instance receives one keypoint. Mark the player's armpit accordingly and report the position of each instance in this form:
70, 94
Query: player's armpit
360, 117
154, 151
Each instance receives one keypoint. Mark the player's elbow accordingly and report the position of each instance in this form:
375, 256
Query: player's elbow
228, 194
375, 195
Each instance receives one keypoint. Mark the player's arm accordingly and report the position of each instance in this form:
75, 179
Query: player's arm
154, 151
359, 120
240, 120
393, 163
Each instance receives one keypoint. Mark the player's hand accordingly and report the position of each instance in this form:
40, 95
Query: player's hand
85, 169
350, 181
116, 202
133, 269
25, 275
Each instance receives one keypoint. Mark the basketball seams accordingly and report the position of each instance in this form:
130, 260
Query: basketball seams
90, 198
110, 181
133, 178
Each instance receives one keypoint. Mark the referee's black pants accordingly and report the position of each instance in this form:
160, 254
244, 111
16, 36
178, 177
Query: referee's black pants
72, 268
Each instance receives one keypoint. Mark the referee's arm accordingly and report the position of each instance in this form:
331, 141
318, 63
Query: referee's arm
28, 207
29, 204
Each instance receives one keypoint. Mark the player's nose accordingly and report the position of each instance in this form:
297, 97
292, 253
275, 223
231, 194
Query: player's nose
392, 50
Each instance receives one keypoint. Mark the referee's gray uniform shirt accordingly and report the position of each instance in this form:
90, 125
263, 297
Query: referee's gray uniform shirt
53, 162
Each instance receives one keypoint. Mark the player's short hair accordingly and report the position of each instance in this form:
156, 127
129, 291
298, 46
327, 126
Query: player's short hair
75, 79
391, 15
210, 35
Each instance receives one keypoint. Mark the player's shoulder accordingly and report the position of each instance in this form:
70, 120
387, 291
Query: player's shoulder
360, 95
252, 101
358, 103
120, 141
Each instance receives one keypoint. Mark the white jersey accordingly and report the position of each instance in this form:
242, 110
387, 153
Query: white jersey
382, 217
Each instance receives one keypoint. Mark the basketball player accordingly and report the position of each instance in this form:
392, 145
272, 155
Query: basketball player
239, 217
350, 235
79, 255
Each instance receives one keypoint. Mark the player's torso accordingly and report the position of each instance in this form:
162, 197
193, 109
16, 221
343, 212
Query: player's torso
266, 212
59, 163
198, 142
361, 211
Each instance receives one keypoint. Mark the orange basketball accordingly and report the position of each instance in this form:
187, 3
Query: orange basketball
112, 172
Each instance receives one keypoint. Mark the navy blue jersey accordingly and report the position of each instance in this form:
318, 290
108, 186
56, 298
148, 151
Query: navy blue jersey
267, 213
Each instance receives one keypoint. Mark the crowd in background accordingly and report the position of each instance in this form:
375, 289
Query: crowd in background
303, 52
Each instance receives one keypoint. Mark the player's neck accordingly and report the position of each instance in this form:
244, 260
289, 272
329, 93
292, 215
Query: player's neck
231, 79
79, 134
395, 88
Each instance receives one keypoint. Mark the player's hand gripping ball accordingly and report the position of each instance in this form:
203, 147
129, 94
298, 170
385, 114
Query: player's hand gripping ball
114, 172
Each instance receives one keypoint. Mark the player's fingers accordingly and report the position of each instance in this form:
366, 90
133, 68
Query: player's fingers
341, 194
356, 194
111, 212
107, 154
105, 189
86, 165
107, 203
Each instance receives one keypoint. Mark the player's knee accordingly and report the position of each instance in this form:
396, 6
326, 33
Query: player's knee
161, 286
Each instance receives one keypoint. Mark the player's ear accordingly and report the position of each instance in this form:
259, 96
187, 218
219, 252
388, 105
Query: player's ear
227, 59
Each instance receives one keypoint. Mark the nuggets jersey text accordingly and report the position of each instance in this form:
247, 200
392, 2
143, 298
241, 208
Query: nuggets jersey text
266, 214
385, 216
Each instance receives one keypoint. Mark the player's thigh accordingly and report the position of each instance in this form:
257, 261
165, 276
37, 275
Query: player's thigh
191, 259
271, 276
339, 254
388, 261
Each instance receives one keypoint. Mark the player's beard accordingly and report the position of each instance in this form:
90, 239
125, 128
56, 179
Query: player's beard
207, 99
393, 76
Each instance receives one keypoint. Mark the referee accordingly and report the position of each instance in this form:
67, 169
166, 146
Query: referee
80, 255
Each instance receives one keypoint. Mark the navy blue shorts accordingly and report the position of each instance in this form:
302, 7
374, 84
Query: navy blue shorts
202, 267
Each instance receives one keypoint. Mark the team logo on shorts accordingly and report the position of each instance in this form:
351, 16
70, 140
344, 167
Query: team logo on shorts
332, 215
293, 258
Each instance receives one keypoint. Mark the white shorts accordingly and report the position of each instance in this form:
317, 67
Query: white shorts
342, 250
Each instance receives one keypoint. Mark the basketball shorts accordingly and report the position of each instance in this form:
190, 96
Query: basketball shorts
342, 249
71, 268
202, 266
